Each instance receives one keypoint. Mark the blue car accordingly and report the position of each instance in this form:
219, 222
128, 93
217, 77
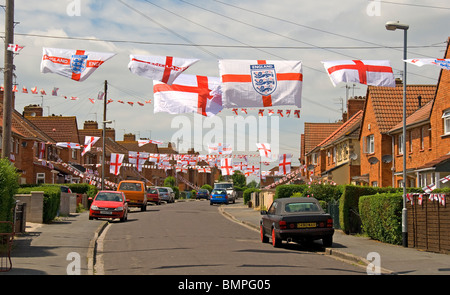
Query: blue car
218, 196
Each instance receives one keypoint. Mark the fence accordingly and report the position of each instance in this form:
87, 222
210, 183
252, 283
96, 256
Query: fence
6, 239
429, 223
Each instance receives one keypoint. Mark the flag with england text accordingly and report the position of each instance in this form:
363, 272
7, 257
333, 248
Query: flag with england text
160, 68
369, 72
442, 63
70, 145
190, 94
77, 65
260, 83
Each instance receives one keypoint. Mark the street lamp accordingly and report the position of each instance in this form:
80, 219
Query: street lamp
392, 26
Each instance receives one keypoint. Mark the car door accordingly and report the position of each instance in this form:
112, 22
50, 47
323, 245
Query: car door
269, 217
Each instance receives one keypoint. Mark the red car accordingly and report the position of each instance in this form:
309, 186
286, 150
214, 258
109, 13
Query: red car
153, 196
109, 204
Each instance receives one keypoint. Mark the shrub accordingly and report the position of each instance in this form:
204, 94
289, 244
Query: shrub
287, 190
381, 217
52, 195
8, 188
248, 194
208, 187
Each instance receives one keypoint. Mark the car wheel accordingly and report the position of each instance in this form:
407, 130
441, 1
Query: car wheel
275, 241
91, 218
264, 239
327, 241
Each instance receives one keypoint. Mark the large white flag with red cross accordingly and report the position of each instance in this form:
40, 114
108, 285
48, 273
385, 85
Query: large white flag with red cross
77, 65
226, 166
115, 163
284, 165
369, 72
138, 158
89, 141
264, 150
161, 68
260, 83
189, 94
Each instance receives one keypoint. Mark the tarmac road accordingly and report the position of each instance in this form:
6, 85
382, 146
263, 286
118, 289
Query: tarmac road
194, 238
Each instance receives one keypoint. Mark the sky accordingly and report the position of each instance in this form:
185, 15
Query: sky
310, 31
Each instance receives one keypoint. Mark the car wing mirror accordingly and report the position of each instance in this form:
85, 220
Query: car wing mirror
263, 212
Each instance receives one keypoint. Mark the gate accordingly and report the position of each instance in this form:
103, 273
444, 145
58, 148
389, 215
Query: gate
333, 210
6, 239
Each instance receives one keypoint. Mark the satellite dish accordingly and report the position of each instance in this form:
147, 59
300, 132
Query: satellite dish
353, 156
386, 158
373, 160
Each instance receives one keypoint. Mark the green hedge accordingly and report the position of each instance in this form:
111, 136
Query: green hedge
287, 190
381, 217
52, 196
248, 194
8, 187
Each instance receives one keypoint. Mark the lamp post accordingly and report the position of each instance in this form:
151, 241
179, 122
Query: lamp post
392, 26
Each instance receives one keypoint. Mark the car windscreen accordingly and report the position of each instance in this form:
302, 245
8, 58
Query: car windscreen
303, 207
125, 186
114, 197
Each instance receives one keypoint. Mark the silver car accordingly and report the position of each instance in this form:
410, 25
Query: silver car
166, 194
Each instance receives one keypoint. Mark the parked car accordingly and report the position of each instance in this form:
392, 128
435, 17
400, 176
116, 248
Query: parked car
135, 192
109, 204
153, 195
218, 196
166, 194
296, 219
202, 194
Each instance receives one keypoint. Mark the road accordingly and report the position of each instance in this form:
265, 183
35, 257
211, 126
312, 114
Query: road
194, 238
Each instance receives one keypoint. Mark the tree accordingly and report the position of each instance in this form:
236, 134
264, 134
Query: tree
170, 181
239, 179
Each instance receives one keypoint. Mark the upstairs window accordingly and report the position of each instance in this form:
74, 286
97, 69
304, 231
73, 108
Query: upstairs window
446, 118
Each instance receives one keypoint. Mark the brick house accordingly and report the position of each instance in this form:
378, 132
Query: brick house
428, 139
383, 110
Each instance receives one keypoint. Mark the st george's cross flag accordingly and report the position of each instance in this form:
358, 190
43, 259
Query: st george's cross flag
369, 72
89, 141
284, 165
260, 83
189, 94
220, 148
264, 150
115, 163
77, 65
226, 166
142, 142
138, 158
442, 63
70, 145
15, 48
161, 68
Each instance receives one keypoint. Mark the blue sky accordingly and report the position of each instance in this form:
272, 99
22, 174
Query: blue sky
310, 31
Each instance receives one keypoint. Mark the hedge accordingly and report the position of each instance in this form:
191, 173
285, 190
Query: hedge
287, 190
8, 188
52, 196
381, 217
248, 194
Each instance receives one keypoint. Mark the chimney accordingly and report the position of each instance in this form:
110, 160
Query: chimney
129, 137
419, 98
91, 125
32, 111
354, 105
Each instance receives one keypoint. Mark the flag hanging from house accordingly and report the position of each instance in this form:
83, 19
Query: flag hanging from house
442, 63
115, 163
142, 142
89, 141
190, 94
369, 72
260, 83
77, 65
160, 68
138, 158
284, 166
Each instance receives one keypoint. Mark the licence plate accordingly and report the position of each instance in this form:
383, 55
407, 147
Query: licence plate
106, 212
306, 224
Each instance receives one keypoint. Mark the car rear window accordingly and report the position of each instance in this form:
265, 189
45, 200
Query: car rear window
164, 190
301, 207
130, 186
152, 191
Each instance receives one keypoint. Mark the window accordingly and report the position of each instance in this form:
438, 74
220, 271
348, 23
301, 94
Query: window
370, 144
410, 142
375, 183
400, 144
446, 117
422, 135
40, 178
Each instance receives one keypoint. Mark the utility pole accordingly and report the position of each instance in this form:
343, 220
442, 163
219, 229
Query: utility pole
105, 98
8, 80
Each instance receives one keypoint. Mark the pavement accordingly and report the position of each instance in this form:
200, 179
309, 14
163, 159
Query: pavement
67, 246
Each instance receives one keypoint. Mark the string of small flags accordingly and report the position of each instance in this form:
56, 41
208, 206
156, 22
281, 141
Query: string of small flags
440, 198
54, 92
270, 112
